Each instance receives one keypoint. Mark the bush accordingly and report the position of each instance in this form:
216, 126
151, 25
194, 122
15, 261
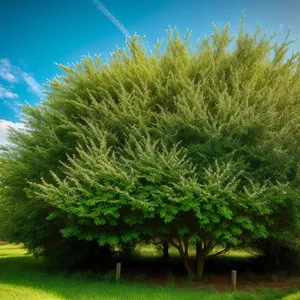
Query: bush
281, 255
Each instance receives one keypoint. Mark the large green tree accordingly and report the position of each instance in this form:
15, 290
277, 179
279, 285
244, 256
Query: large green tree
192, 147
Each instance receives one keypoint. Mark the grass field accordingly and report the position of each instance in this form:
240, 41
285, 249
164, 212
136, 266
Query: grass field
23, 277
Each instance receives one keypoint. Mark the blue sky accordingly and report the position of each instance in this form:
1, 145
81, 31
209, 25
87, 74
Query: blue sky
36, 33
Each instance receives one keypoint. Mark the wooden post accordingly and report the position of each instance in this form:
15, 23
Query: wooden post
233, 280
118, 272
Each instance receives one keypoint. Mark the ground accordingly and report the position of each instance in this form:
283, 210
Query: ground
24, 277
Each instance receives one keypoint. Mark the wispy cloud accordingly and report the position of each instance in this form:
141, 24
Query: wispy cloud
13, 74
7, 70
13, 105
4, 126
7, 94
8, 98
34, 86
112, 18
281, 27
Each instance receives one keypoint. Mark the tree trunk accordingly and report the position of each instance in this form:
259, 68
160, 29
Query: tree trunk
188, 267
200, 256
166, 250
200, 267
183, 249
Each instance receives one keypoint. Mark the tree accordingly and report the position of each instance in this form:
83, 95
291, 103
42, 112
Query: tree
23, 218
162, 245
282, 247
195, 148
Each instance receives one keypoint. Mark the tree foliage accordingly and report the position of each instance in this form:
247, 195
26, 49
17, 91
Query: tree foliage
194, 147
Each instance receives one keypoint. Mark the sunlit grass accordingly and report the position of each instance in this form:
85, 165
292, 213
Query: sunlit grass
295, 296
151, 251
238, 253
13, 292
9, 250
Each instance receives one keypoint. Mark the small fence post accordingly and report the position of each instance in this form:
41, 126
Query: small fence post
233, 280
118, 272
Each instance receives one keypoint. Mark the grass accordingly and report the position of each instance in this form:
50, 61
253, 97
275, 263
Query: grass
295, 296
24, 277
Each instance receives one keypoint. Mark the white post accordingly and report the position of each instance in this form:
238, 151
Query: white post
233, 280
118, 272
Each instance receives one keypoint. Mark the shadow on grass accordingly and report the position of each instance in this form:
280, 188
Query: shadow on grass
220, 265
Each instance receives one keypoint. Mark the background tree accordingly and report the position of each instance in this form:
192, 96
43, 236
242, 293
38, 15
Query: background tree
162, 245
198, 148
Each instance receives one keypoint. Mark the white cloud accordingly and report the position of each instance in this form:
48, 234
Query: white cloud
14, 74
281, 27
32, 83
7, 94
13, 105
9, 99
8, 77
7, 70
4, 125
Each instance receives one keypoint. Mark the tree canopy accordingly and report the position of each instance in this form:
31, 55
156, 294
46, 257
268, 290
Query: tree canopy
195, 147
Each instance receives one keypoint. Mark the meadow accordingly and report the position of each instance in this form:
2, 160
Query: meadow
24, 277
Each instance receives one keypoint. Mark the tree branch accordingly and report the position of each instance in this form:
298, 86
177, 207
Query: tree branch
222, 251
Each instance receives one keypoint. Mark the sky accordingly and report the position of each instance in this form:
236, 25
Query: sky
34, 34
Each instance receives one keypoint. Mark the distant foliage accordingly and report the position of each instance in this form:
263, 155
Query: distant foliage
194, 147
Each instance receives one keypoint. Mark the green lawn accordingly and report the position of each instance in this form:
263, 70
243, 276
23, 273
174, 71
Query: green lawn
23, 277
